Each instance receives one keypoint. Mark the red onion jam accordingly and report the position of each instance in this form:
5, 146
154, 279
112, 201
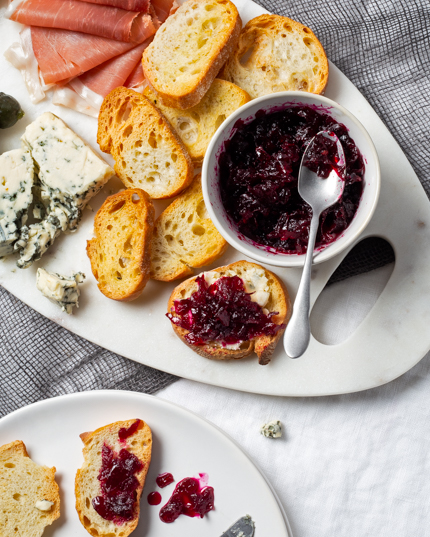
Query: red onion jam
259, 171
222, 312
188, 499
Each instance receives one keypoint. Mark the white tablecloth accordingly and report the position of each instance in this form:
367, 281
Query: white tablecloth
353, 465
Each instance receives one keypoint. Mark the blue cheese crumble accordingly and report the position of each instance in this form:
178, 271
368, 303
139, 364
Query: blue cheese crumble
16, 182
273, 429
69, 174
60, 289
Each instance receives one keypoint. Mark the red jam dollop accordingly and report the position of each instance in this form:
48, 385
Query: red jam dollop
124, 433
118, 484
259, 171
154, 498
222, 312
188, 499
164, 479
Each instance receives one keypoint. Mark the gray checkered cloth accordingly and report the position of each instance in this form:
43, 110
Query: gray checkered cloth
383, 47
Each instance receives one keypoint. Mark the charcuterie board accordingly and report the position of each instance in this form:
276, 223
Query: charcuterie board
393, 337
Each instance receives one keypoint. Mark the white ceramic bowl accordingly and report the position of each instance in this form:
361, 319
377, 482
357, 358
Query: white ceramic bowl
279, 101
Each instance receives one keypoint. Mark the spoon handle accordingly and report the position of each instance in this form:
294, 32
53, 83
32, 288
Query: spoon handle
298, 331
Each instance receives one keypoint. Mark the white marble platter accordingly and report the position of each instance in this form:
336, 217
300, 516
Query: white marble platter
392, 338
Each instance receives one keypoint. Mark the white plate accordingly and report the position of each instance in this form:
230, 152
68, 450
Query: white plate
183, 444
391, 340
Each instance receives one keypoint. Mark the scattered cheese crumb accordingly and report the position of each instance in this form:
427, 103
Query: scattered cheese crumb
273, 429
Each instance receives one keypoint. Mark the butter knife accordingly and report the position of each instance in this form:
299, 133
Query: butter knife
244, 527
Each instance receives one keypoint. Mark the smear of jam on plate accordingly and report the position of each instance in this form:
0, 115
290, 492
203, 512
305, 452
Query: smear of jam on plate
189, 499
154, 498
164, 479
259, 174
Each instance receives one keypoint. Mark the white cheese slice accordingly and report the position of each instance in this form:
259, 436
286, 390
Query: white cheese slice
16, 181
70, 173
60, 289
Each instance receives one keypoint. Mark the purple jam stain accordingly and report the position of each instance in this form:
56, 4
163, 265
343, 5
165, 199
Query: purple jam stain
222, 312
188, 499
124, 433
118, 485
258, 178
164, 479
154, 498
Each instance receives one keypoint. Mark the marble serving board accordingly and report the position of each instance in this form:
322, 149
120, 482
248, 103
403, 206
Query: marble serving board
392, 338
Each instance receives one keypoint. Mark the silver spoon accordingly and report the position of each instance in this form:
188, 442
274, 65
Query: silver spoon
320, 194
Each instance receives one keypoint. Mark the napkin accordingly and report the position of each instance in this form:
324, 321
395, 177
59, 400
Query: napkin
383, 48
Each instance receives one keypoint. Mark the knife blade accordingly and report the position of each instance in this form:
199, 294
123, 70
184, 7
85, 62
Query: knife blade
244, 527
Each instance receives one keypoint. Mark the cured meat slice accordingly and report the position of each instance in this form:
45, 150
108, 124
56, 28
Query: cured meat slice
106, 77
162, 8
136, 81
21, 56
62, 54
130, 5
94, 19
65, 96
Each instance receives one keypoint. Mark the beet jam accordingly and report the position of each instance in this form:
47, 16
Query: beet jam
154, 498
118, 485
258, 178
188, 499
164, 479
124, 433
222, 312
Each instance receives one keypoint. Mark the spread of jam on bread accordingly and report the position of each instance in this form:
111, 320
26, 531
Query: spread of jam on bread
189, 499
118, 481
259, 171
222, 312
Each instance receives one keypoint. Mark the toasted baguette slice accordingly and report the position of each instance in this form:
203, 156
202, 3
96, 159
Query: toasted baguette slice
198, 124
148, 154
184, 237
274, 54
29, 495
120, 253
189, 49
87, 485
278, 301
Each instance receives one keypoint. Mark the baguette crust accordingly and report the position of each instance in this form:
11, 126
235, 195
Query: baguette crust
184, 237
198, 124
87, 485
22, 484
263, 346
274, 54
120, 253
147, 151
189, 50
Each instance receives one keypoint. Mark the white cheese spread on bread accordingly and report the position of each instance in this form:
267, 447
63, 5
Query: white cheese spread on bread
60, 289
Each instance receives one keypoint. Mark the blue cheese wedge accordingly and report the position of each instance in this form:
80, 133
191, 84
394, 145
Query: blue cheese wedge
16, 182
60, 289
273, 429
69, 174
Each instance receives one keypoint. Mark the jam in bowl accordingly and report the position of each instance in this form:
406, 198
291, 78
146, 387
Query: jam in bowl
250, 177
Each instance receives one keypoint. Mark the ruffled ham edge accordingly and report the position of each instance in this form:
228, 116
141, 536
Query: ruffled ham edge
21, 56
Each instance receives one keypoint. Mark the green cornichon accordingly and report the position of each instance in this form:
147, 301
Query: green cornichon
10, 111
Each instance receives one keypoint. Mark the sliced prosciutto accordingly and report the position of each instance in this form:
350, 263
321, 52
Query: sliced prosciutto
130, 5
78, 16
162, 8
94, 85
62, 55
136, 81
